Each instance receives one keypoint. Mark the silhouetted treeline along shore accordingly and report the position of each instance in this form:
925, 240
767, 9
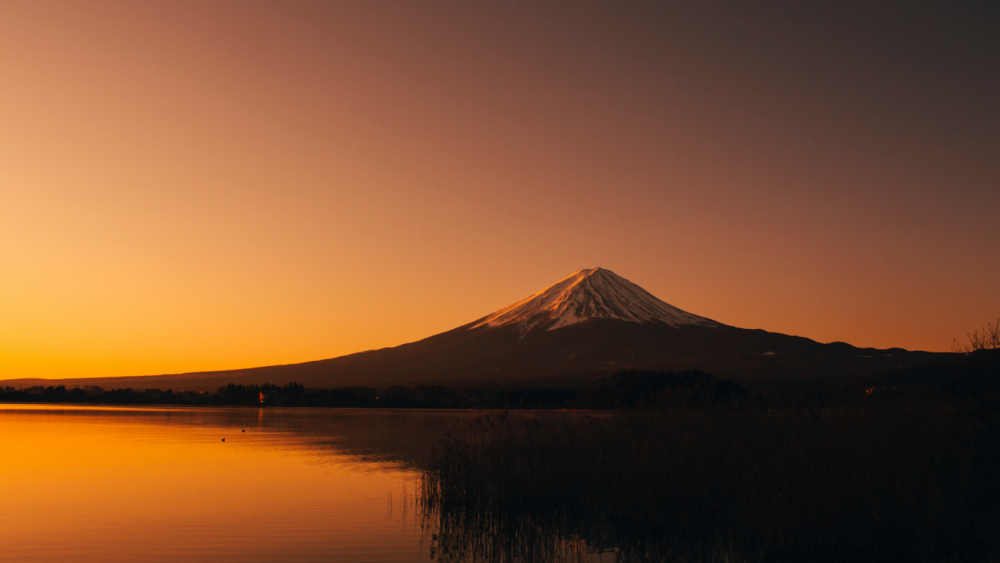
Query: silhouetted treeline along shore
909, 473
625, 390
296, 395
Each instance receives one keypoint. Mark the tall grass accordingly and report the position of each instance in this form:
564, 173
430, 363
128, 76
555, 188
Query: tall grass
860, 485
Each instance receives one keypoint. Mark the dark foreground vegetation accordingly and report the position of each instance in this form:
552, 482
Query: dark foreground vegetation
900, 474
857, 485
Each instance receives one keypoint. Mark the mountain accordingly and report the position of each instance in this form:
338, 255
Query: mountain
587, 325
589, 294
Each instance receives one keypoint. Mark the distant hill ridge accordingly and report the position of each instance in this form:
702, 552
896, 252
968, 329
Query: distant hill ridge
587, 325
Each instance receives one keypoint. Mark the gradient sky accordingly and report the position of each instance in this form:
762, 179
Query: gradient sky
208, 185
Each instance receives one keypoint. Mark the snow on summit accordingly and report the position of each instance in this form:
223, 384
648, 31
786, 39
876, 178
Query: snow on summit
589, 294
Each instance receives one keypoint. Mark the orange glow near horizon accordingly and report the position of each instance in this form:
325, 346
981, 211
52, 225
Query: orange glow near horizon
188, 186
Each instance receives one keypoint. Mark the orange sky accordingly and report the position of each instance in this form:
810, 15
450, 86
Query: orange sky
194, 186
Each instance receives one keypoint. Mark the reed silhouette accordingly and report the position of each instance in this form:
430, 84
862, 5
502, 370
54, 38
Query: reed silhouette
867, 484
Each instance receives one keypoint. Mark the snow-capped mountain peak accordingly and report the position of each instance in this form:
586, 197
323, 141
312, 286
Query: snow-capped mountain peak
590, 294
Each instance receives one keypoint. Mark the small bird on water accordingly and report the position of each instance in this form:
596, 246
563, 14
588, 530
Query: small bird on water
223, 439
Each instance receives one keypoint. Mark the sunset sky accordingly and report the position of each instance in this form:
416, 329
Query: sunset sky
201, 185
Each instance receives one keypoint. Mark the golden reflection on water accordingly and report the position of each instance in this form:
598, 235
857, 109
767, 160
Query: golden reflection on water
117, 484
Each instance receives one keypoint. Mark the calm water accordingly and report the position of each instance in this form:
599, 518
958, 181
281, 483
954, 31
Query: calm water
159, 484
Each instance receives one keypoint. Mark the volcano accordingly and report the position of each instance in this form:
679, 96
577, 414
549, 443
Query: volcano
587, 325
585, 295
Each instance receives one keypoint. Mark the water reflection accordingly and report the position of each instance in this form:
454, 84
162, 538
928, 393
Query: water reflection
402, 437
159, 484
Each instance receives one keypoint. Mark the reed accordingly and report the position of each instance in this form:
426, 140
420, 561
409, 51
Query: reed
848, 485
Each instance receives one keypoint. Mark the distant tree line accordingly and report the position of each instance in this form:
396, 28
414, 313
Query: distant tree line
942, 385
624, 390
98, 395
297, 395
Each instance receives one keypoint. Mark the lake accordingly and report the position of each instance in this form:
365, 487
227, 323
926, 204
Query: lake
196, 484
160, 484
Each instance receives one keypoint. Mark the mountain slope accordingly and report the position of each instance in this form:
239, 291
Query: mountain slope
596, 293
587, 325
